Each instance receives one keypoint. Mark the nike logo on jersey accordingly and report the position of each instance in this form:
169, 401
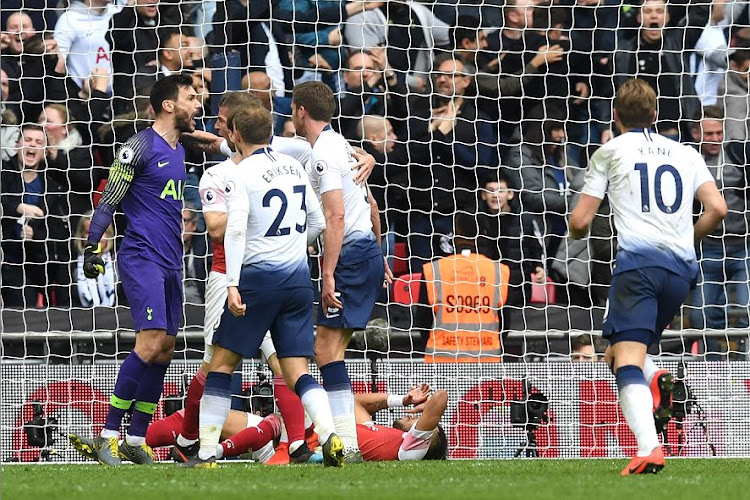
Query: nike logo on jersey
163, 164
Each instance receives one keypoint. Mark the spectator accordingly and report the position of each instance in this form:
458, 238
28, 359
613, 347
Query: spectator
587, 348
25, 53
288, 130
735, 96
81, 34
174, 55
461, 145
724, 253
549, 180
134, 42
389, 178
195, 262
258, 83
35, 228
409, 31
463, 318
9, 129
657, 56
69, 160
102, 290
312, 31
372, 88
710, 60
508, 236
470, 43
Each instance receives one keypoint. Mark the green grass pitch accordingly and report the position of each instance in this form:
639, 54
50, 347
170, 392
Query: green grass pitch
460, 480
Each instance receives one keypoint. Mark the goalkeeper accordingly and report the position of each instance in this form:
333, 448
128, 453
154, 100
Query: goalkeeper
147, 177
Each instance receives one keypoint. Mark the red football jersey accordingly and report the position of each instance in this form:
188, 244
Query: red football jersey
378, 442
219, 263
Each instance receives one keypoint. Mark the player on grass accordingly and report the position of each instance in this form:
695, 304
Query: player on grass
147, 178
243, 432
651, 182
353, 265
211, 189
271, 214
410, 438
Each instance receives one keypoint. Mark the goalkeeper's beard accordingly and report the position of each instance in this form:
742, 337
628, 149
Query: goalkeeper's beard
183, 121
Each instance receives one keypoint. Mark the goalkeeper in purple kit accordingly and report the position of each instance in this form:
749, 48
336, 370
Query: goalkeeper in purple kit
147, 179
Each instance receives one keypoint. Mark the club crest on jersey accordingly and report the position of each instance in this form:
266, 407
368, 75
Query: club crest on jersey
321, 167
126, 155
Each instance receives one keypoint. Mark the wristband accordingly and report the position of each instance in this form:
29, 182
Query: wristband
395, 401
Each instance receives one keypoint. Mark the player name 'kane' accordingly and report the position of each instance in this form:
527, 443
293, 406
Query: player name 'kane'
282, 170
658, 151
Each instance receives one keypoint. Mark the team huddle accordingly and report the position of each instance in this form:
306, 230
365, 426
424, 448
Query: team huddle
275, 196
263, 206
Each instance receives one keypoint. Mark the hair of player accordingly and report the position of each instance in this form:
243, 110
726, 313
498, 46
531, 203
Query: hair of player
586, 339
438, 449
316, 98
254, 124
239, 100
168, 89
635, 104
466, 27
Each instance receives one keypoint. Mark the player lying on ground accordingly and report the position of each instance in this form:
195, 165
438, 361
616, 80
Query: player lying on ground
147, 179
212, 186
242, 433
412, 437
651, 182
272, 216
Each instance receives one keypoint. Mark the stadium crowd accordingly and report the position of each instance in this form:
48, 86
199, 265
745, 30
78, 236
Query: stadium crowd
488, 108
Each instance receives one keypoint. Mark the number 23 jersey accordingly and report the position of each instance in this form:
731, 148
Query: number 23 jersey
651, 183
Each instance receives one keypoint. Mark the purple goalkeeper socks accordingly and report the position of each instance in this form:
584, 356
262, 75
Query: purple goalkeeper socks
128, 378
147, 398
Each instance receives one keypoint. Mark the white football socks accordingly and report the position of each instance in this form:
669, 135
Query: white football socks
214, 411
637, 404
342, 408
317, 406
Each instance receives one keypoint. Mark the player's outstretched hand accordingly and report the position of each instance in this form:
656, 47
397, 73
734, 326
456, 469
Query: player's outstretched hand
93, 264
234, 299
365, 164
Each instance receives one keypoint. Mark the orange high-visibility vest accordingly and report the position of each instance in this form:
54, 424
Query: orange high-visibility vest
466, 292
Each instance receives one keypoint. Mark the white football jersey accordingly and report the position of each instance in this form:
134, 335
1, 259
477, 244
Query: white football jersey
651, 183
331, 169
212, 184
296, 147
272, 210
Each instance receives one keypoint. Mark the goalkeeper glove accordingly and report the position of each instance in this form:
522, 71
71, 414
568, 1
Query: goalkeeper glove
93, 264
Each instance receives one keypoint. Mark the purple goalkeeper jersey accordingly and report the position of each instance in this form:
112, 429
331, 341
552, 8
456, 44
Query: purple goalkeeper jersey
153, 203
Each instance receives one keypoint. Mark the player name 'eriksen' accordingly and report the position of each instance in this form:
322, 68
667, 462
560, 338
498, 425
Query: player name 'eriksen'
282, 170
659, 151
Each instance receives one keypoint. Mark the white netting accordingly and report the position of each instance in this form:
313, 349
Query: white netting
450, 97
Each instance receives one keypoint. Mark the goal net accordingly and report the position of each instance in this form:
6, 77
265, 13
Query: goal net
481, 116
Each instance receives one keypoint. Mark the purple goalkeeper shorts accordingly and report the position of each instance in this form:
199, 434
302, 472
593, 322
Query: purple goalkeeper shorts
154, 293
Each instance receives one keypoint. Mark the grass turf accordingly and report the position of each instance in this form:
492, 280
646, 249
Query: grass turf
461, 480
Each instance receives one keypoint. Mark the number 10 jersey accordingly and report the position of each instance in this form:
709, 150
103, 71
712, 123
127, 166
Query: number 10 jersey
651, 183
